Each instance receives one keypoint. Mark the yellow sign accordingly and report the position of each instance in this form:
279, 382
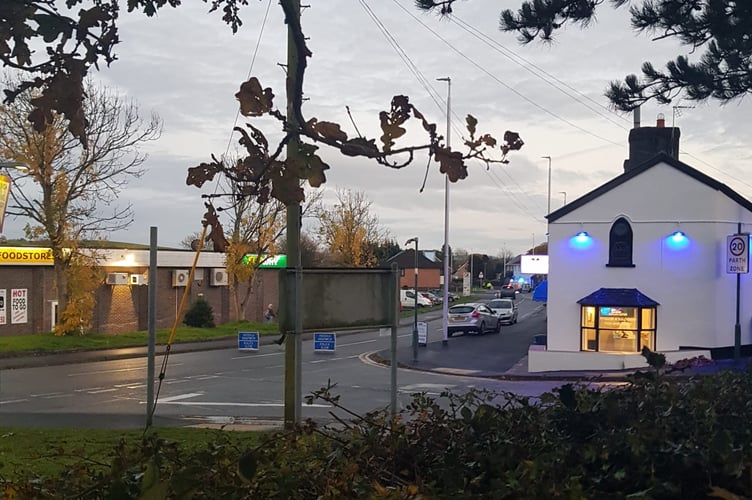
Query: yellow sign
4, 193
25, 256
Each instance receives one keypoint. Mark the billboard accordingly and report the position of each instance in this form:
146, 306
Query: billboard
534, 264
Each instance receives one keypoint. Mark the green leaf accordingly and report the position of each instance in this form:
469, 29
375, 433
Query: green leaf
247, 466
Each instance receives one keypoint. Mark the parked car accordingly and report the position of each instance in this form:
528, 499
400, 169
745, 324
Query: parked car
440, 292
435, 299
505, 309
507, 291
472, 317
407, 299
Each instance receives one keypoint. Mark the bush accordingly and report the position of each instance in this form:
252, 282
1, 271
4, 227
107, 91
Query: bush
200, 315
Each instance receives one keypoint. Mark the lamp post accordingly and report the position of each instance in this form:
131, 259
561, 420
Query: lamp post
548, 209
445, 307
415, 306
565, 196
5, 182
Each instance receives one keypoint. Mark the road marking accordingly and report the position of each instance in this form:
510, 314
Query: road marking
114, 370
87, 389
333, 359
357, 343
102, 390
206, 377
12, 401
260, 405
180, 396
56, 396
259, 355
46, 394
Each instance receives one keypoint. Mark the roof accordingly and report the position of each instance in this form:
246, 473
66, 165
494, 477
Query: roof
406, 259
624, 297
637, 170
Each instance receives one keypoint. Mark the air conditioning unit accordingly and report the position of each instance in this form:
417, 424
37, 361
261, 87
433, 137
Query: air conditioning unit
180, 277
138, 279
117, 279
218, 277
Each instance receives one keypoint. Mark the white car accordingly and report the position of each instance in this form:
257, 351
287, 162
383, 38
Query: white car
505, 309
407, 299
472, 317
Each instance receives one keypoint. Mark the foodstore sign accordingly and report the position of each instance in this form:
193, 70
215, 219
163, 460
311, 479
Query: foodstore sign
24, 256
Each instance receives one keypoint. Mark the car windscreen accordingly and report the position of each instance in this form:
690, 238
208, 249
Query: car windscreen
500, 304
461, 309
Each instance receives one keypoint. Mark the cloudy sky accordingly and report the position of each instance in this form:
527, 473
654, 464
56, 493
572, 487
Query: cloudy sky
186, 66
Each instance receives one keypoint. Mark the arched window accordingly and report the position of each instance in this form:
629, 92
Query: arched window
620, 244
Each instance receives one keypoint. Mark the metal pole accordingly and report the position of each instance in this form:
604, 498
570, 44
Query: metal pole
415, 314
737, 326
292, 390
548, 210
393, 341
151, 324
447, 274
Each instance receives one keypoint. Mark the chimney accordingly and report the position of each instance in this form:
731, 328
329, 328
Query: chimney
647, 142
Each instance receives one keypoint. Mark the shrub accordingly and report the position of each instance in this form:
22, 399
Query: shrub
200, 315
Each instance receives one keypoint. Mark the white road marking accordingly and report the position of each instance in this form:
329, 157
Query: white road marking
357, 343
176, 381
180, 396
46, 394
56, 396
100, 391
333, 359
87, 389
7, 402
211, 403
207, 377
259, 355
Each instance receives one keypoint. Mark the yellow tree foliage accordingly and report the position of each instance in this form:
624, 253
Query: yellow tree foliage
349, 230
83, 277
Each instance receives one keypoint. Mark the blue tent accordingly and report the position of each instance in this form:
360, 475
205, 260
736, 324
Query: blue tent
540, 294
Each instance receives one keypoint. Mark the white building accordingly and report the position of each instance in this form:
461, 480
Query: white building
643, 261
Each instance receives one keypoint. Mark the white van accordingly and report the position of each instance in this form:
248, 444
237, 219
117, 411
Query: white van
407, 299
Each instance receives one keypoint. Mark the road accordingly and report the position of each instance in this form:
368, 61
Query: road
231, 385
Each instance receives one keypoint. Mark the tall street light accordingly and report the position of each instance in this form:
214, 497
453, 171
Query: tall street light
548, 211
565, 196
415, 306
447, 256
5, 186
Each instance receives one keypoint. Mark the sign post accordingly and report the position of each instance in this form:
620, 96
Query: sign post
737, 262
422, 333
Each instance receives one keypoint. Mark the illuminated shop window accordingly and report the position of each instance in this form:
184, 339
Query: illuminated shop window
617, 329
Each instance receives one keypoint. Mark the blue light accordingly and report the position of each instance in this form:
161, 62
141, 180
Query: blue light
581, 240
677, 240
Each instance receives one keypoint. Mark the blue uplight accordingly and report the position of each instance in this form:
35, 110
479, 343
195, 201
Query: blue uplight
581, 240
677, 240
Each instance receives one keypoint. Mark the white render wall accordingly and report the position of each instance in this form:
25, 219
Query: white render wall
696, 295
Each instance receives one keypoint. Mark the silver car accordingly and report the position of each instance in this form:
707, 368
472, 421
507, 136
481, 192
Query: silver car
506, 309
472, 317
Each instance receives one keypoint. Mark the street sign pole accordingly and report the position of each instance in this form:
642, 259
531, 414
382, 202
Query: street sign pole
737, 261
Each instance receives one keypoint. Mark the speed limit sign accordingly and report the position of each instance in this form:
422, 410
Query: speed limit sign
737, 253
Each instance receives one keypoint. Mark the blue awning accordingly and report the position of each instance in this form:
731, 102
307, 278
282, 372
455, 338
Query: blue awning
540, 294
625, 297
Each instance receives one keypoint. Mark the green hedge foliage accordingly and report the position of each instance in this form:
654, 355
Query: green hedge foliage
654, 437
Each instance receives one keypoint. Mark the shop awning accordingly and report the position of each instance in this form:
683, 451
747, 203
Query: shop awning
540, 294
624, 297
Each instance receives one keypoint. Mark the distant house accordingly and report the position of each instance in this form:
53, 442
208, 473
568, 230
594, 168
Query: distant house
646, 260
430, 268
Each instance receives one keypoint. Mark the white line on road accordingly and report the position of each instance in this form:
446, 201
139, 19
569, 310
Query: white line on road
357, 343
259, 355
333, 359
46, 394
12, 401
100, 391
180, 396
210, 403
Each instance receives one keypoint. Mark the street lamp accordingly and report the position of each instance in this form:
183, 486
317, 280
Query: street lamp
447, 277
415, 306
16, 165
548, 211
565, 196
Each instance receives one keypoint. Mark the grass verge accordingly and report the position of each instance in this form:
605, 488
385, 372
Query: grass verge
26, 453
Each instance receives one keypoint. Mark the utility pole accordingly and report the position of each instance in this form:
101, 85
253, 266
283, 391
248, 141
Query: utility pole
293, 344
447, 253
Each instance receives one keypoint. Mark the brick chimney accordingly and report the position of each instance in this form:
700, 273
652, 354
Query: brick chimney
646, 142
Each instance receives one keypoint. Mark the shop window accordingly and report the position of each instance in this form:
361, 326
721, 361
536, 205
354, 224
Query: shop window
617, 329
620, 244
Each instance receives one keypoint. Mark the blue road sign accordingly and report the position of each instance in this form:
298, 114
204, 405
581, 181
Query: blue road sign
324, 342
248, 341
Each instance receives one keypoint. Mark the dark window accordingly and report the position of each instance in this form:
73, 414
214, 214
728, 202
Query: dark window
620, 244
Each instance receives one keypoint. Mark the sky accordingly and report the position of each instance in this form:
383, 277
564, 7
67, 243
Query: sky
186, 65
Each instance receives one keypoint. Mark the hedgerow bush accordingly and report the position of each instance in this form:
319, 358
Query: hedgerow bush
655, 437
200, 314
